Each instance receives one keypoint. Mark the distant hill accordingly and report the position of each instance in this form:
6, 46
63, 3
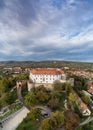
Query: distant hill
51, 64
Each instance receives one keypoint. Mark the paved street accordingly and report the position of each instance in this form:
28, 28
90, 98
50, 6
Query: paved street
89, 119
47, 109
14, 120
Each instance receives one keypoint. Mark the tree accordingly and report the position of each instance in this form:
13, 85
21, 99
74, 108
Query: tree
55, 94
58, 119
40, 88
4, 85
42, 96
54, 103
35, 114
72, 97
3, 100
71, 120
30, 99
47, 124
79, 83
76, 109
63, 86
68, 88
85, 98
22, 77
55, 121
57, 86
10, 98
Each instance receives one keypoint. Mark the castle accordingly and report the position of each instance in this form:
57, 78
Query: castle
46, 76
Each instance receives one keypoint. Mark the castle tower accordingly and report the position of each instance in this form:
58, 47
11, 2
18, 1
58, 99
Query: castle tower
19, 88
30, 85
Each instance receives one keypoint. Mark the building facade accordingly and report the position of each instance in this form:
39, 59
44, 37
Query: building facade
46, 76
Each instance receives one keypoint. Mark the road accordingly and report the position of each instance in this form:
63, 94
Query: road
14, 120
47, 109
89, 119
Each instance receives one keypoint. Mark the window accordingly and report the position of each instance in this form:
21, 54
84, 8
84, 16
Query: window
43, 79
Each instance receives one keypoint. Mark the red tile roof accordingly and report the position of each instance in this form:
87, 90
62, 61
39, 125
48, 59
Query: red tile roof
90, 85
82, 105
47, 72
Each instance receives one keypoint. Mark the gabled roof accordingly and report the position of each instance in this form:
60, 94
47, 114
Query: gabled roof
45, 71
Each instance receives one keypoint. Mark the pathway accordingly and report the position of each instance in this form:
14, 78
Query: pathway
14, 120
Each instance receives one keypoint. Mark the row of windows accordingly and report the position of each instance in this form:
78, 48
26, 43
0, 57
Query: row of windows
45, 78
49, 78
45, 82
47, 75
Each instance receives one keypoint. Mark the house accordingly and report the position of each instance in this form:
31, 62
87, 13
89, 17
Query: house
83, 107
8, 70
90, 87
47, 76
17, 70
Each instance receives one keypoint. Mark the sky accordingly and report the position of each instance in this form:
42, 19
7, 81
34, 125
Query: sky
38, 30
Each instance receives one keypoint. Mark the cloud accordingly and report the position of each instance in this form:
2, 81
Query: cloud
50, 29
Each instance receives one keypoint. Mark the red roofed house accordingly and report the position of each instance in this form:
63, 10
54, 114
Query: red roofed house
90, 88
46, 75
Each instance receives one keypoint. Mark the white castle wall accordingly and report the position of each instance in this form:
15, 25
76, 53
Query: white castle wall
45, 78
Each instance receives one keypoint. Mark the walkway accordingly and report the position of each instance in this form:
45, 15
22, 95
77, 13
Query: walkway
14, 120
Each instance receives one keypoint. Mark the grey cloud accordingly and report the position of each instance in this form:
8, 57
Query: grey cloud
36, 28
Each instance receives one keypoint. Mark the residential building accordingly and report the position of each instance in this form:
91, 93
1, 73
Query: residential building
17, 70
90, 87
83, 107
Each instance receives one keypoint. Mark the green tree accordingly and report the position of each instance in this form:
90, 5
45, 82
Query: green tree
35, 114
40, 88
76, 109
3, 99
54, 103
4, 85
71, 120
42, 96
47, 124
30, 99
10, 98
58, 119
85, 98
55, 121
22, 77
72, 97
55, 94
57, 86
79, 83
68, 88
